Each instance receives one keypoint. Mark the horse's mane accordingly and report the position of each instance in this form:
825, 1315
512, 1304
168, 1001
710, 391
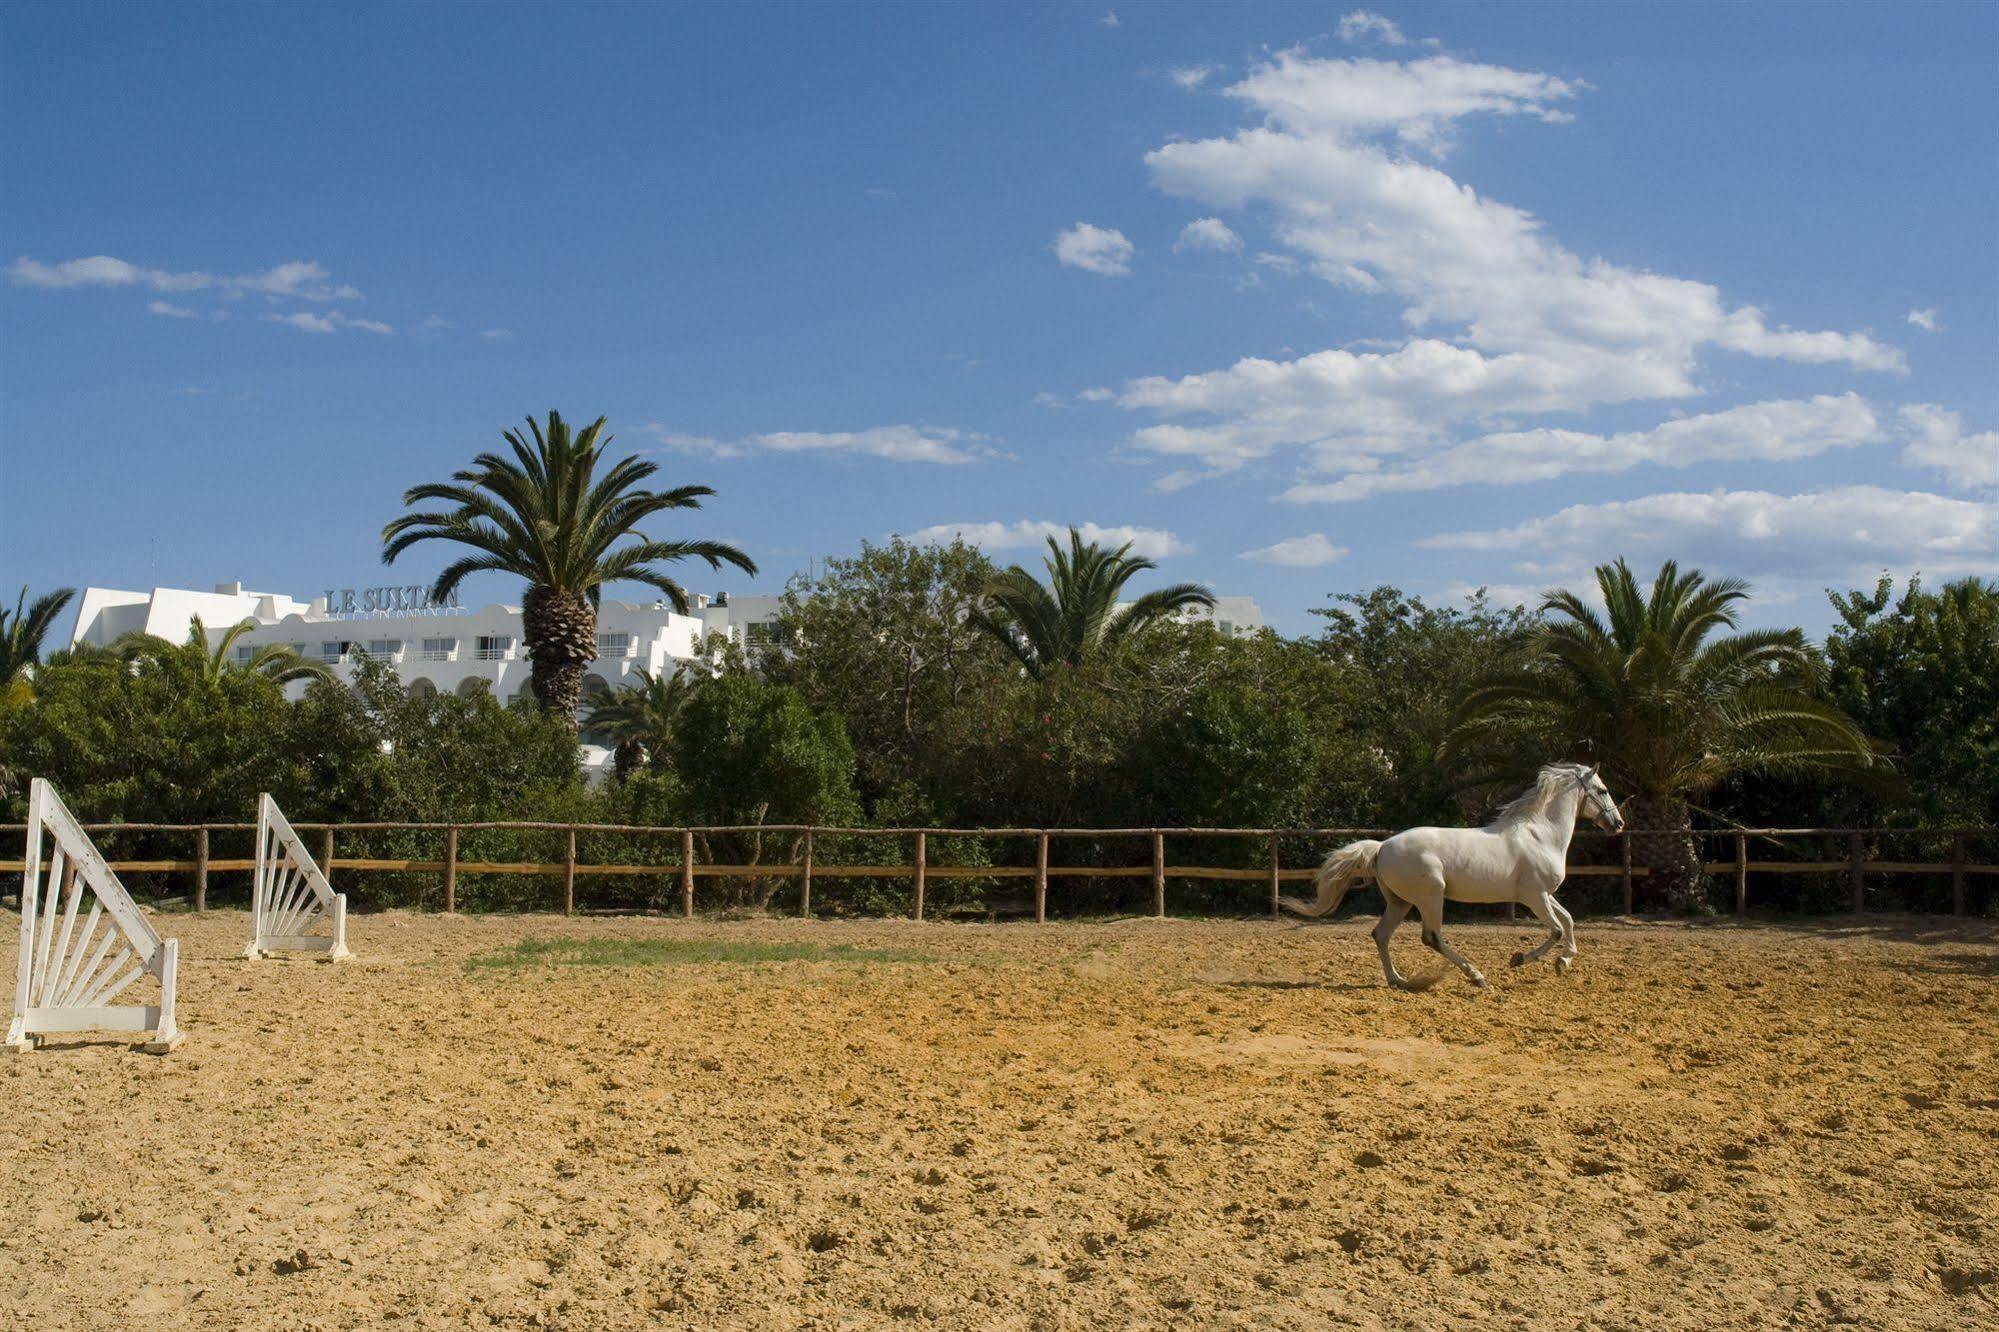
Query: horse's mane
1548, 783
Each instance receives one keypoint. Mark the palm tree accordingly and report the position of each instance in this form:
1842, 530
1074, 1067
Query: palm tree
547, 515
1074, 619
638, 718
1667, 707
203, 663
21, 636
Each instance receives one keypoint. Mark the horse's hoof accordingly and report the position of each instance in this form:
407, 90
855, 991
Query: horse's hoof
1519, 960
1478, 981
1562, 966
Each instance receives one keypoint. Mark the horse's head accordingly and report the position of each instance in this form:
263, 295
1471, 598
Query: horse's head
1596, 801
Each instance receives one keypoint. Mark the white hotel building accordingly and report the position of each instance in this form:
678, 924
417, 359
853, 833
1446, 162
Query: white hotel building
447, 648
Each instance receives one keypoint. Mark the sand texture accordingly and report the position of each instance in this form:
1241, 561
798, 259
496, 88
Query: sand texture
1093, 1126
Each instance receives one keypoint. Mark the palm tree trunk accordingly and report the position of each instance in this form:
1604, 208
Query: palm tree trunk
561, 633
1662, 841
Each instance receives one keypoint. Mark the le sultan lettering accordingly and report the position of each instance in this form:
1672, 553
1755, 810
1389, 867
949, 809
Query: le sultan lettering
413, 600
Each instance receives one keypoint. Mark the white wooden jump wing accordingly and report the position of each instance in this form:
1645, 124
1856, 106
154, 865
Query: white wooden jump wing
66, 977
292, 906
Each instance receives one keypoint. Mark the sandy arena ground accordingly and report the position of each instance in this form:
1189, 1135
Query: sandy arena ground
1103, 1126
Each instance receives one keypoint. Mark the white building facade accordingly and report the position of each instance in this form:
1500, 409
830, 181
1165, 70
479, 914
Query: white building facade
432, 647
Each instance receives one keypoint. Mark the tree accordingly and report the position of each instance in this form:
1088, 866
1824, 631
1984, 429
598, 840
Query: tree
1073, 619
196, 662
547, 516
1924, 668
21, 637
638, 718
887, 640
1669, 709
764, 756
150, 745
1417, 662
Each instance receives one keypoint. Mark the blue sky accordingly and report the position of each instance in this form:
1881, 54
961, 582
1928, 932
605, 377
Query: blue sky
1306, 298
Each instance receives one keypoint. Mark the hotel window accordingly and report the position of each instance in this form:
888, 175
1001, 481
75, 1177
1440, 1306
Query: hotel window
245, 651
332, 651
385, 649
494, 647
614, 645
440, 649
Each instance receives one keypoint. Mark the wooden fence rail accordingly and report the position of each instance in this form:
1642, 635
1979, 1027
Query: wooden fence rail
920, 871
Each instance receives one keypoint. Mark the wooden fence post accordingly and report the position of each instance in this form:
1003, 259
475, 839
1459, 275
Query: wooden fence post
922, 853
1276, 907
1957, 875
805, 880
569, 876
451, 869
1041, 879
687, 874
201, 869
1856, 854
1624, 841
1741, 875
326, 859
1159, 875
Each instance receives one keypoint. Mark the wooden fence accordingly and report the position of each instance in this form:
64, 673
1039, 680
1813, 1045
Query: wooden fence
1854, 863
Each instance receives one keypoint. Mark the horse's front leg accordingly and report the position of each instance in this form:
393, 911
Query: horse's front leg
1545, 910
1568, 954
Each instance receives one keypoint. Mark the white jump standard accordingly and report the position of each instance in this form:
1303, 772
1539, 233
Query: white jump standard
289, 895
62, 984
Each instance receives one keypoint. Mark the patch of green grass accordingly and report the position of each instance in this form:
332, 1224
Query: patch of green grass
584, 952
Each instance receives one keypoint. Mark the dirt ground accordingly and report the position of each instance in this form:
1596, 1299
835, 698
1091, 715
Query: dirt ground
1104, 1125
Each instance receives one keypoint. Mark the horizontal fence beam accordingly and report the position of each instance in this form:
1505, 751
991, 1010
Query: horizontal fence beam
825, 831
687, 868
825, 871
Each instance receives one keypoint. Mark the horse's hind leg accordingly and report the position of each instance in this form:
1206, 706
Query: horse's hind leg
1433, 935
1384, 929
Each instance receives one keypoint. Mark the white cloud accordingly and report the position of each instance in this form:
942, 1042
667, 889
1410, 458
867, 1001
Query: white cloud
1100, 250
299, 279
1151, 542
1047, 399
1416, 101
170, 310
1926, 320
1505, 321
1190, 77
1840, 536
1207, 233
1777, 431
1936, 439
1365, 25
1097, 395
893, 443
305, 321
1311, 551
496, 334
435, 322
1109, 20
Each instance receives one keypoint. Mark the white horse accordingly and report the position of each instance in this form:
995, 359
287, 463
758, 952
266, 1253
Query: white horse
1521, 856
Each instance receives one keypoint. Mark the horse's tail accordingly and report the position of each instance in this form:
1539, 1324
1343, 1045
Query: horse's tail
1342, 867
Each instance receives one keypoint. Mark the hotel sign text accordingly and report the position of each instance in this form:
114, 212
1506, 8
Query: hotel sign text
377, 601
